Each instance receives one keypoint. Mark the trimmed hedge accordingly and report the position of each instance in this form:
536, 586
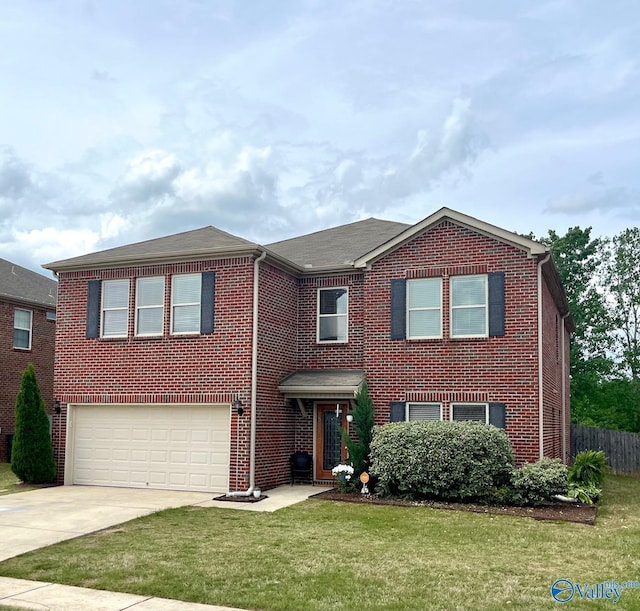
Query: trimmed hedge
440, 460
535, 483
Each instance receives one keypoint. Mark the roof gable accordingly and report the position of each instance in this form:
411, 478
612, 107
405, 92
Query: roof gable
21, 284
529, 246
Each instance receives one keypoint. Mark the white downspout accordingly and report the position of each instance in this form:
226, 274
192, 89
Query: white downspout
254, 381
540, 380
563, 370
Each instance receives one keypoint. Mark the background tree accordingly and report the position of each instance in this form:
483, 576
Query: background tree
363, 421
579, 259
621, 277
32, 453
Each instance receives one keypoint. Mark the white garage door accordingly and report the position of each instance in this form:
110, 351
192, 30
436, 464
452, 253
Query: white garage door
170, 447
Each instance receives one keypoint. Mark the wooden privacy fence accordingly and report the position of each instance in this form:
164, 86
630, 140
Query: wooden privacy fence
621, 448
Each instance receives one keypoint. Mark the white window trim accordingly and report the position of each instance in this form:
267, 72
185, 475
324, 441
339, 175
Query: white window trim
466, 307
485, 405
30, 329
103, 309
174, 305
409, 336
318, 315
149, 307
408, 403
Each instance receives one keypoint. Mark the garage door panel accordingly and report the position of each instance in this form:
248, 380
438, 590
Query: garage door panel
159, 435
166, 447
199, 458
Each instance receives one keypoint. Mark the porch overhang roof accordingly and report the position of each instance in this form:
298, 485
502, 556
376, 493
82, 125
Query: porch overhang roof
322, 384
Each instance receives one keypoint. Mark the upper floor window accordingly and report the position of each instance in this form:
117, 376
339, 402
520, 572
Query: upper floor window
186, 291
469, 306
475, 412
22, 329
150, 305
424, 308
115, 308
333, 315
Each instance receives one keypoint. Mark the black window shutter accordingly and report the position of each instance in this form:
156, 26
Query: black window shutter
398, 309
496, 303
207, 299
93, 308
497, 414
397, 411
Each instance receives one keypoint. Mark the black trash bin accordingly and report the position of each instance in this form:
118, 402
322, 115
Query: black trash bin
9, 446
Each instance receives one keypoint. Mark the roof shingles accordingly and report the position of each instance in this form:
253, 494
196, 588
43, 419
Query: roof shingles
22, 285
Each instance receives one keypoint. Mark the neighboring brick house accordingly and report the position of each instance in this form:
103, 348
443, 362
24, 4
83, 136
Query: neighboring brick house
203, 361
27, 335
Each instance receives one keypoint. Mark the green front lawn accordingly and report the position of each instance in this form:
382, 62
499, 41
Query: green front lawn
9, 482
327, 555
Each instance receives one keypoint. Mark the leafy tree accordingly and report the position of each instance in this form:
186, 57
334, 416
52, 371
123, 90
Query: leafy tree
621, 276
363, 422
579, 259
32, 454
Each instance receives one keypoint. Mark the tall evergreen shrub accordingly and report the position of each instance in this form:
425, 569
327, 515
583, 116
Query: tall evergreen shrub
360, 448
32, 453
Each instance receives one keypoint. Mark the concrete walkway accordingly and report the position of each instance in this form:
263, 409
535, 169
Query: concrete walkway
25, 594
37, 518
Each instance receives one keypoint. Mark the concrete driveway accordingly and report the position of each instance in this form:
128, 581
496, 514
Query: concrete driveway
33, 519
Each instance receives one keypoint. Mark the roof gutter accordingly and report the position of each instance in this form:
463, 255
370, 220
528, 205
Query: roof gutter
254, 382
541, 262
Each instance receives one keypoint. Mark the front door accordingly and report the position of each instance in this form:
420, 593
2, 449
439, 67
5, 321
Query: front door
331, 420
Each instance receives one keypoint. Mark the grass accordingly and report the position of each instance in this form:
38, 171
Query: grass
321, 555
8, 481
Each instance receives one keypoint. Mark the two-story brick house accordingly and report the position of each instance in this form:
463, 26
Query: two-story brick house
203, 361
27, 335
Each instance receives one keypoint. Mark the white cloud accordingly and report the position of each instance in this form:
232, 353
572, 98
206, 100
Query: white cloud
49, 244
150, 175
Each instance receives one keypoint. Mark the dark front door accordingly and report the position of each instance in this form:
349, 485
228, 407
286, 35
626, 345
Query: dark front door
330, 450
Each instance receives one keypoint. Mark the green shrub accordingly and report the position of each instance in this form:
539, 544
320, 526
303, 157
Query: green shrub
32, 454
588, 494
440, 460
535, 483
588, 469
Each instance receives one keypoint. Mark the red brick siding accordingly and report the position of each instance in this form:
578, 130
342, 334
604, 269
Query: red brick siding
168, 369
314, 355
15, 361
552, 377
494, 369
277, 341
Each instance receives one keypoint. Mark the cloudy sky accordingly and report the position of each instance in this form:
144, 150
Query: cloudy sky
123, 120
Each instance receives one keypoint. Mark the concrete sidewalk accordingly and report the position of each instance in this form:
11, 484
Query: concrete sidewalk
24, 594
